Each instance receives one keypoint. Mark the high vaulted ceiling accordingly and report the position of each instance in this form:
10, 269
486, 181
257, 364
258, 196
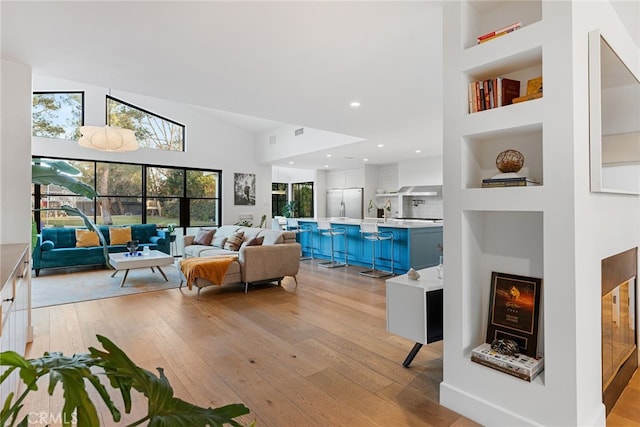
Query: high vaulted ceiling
292, 62
265, 62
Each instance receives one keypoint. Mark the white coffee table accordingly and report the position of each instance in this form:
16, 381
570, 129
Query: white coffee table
122, 261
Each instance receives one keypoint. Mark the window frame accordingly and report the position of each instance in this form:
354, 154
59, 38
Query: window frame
130, 105
184, 215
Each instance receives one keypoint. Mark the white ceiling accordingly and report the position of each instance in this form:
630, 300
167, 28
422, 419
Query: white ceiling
266, 62
300, 63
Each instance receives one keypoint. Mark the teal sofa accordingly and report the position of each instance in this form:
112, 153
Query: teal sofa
56, 246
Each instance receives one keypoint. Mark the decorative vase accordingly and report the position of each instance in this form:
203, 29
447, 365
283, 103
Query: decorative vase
509, 161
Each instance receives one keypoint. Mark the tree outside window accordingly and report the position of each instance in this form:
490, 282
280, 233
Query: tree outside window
152, 130
302, 192
58, 114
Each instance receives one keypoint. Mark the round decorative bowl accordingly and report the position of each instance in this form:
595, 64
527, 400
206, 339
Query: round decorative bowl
509, 161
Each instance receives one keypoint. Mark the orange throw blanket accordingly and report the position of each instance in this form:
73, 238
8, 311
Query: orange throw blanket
211, 269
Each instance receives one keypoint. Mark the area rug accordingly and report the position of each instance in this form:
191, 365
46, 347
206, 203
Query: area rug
65, 286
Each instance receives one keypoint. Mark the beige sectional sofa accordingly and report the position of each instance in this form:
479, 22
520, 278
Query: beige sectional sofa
278, 255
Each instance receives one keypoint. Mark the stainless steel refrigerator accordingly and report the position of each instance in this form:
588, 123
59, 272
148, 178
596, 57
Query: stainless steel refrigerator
345, 202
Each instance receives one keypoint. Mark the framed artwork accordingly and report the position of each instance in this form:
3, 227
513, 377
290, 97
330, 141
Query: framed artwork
514, 310
244, 189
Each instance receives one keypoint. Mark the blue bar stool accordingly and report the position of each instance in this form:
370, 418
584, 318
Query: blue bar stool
293, 225
369, 231
325, 229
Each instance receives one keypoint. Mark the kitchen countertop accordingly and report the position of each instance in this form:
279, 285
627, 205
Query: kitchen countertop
392, 223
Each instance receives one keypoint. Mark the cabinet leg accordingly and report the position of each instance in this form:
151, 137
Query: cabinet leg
416, 348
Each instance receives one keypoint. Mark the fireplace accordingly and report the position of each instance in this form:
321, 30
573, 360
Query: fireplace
619, 337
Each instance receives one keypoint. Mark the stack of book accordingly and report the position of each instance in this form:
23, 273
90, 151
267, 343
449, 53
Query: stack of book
493, 93
499, 32
521, 366
507, 180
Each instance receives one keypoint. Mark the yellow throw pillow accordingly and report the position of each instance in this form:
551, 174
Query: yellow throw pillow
85, 238
119, 236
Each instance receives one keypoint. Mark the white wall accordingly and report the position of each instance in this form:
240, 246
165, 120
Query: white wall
422, 171
282, 143
210, 143
605, 224
15, 154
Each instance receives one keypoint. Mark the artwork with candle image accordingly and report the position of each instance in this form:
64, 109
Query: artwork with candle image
513, 310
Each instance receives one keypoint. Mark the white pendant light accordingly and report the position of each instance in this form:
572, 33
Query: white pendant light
107, 138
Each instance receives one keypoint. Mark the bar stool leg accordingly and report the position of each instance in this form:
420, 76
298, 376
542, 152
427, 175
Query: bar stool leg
375, 273
333, 263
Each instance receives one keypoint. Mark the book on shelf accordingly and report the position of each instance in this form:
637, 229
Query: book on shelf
534, 91
495, 36
520, 181
499, 32
519, 365
508, 179
527, 98
492, 93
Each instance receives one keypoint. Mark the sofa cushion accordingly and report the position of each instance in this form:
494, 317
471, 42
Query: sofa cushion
234, 241
204, 236
86, 238
211, 251
119, 235
61, 237
47, 245
272, 237
250, 232
256, 241
143, 232
219, 241
69, 256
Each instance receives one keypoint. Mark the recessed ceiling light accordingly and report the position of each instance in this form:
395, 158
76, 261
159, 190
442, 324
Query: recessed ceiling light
290, 163
326, 166
365, 160
355, 104
380, 145
418, 151
328, 155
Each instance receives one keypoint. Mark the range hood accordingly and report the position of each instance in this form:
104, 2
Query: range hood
421, 190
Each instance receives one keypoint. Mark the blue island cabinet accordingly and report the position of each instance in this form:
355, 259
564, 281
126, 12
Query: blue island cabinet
413, 246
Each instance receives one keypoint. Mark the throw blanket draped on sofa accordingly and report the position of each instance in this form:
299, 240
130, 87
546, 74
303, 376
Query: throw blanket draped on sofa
211, 269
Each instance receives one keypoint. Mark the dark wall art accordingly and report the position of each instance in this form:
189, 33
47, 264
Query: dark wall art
244, 189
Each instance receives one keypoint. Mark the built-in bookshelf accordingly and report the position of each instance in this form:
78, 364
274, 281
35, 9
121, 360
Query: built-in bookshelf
500, 229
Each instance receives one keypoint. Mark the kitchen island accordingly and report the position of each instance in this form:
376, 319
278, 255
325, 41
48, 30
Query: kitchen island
416, 244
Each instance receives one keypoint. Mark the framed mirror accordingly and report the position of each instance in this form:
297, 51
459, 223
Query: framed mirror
614, 117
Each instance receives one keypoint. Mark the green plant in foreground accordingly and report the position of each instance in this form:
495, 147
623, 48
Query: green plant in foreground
123, 374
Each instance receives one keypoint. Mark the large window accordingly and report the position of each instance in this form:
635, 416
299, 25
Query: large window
134, 194
278, 198
302, 192
152, 130
58, 114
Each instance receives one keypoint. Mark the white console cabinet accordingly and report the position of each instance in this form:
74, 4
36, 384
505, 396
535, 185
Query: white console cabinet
414, 308
15, 330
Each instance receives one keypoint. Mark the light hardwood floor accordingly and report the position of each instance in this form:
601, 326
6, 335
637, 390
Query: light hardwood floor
315, 355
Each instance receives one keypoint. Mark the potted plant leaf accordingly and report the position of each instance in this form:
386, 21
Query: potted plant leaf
77, 371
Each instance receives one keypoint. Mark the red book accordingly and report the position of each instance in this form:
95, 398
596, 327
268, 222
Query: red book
500, 30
